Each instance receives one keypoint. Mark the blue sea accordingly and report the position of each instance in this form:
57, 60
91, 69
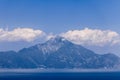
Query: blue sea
59, 74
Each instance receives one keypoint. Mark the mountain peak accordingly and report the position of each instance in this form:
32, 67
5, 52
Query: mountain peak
53, 44
57, 39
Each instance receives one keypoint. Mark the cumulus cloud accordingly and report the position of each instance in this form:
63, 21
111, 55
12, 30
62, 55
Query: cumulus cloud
92, 37
85, 37
20, 34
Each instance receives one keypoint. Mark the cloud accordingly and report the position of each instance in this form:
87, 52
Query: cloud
20, 34
92, 37
85, 37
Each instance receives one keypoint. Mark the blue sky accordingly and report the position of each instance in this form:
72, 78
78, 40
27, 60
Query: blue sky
38, 18
60, 15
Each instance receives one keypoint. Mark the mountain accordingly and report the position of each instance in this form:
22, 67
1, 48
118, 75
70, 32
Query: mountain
57, 53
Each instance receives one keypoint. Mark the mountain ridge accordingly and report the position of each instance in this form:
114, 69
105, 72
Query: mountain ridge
58, 53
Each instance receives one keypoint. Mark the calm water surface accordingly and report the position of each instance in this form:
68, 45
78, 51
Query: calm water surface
59, 75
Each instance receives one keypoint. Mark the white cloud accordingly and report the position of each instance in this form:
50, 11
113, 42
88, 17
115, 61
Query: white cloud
85, 37
92, 37
20, 34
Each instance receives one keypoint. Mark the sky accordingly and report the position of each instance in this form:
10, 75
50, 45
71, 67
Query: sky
49, 15
46, 18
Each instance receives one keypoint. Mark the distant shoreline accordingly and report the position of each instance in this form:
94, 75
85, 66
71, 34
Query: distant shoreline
39, 70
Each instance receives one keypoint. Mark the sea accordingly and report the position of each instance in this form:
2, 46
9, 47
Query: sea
59, 74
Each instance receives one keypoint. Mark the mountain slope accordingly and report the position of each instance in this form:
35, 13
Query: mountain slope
58, 53
11, 59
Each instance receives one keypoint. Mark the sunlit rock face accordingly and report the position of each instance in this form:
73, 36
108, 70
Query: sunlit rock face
57, 53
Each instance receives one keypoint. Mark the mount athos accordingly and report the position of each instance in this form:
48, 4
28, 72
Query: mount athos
57, 53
